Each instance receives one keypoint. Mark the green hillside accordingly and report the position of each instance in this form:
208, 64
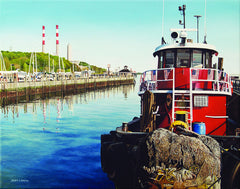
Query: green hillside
21, 60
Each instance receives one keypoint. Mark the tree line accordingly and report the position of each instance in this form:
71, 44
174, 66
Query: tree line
23, 61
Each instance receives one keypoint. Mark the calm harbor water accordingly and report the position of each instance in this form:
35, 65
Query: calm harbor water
55, 143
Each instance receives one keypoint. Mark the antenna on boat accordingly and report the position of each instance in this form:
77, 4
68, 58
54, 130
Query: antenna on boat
163, 41
197, 16
205, 23
182, 10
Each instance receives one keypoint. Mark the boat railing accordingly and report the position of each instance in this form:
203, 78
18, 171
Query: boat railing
210, 80
236, 85
151, 79
203, 80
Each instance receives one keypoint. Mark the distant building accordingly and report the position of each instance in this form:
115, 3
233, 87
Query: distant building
125, 71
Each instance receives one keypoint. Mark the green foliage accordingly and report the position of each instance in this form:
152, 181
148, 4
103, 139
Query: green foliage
24, 67
21, 60
83, 64
97, 69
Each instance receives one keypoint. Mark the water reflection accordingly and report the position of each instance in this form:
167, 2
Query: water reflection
58, 103
55, 143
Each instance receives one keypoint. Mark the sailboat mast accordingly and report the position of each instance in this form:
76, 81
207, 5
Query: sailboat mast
53, 66
63, 65
59, 64
3, 67
49, 62
30, 63
36, 61
1, 61
33, 59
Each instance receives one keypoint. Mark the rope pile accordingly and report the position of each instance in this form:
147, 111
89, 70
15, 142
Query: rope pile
183, 161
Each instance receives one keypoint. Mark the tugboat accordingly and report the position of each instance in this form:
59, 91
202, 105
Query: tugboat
180, 139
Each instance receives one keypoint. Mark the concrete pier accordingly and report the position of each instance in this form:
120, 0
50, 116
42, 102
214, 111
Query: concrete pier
12, 93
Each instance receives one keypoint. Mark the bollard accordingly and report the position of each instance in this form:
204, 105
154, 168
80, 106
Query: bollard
125, 126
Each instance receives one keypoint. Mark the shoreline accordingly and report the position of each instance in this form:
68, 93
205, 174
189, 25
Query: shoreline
13, 93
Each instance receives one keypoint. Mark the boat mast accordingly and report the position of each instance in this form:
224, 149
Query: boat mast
163, 41
197, 16
53, 66
59, 65
36, 61
182, 10
30, 64
63, 65
205, 23
49, 62
33, 61
3, 67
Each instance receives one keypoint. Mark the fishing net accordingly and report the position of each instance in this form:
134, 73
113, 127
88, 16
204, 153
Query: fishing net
182, 160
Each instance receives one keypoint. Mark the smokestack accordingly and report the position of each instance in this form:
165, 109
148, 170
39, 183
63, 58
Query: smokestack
57, 41
43, 39
69, 52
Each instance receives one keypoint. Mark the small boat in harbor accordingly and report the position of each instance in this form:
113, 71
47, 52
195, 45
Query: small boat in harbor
180, 139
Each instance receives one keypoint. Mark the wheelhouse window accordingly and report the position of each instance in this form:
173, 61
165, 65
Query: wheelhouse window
169, 63
183, 58
197, 59
208, 63
160, 60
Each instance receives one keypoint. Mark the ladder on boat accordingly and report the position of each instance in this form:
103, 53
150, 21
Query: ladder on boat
182, 100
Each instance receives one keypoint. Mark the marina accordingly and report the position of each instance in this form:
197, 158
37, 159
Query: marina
28, 90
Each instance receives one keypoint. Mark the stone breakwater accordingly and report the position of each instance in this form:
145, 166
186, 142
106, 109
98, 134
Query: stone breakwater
12, 93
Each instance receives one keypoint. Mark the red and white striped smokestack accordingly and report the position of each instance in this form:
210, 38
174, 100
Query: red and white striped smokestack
43, 39
57, 41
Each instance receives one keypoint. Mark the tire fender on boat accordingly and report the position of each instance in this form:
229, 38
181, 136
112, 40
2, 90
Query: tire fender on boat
178, 123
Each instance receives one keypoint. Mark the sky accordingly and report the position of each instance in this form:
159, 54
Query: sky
117, 32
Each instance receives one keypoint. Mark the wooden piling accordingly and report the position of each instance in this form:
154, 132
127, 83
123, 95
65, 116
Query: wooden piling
30, 90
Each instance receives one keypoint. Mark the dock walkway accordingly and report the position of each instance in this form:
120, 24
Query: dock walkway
11, 93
